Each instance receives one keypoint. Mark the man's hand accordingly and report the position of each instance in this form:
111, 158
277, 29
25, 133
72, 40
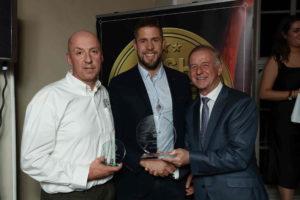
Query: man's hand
182, 157
99, 170
158, 167
189, 188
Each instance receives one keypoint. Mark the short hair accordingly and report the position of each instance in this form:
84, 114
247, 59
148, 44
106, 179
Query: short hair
206, 47
147, 22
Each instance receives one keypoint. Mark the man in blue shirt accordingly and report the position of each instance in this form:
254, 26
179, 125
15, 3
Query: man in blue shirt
150, 89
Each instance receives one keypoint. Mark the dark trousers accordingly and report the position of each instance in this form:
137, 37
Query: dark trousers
99, 192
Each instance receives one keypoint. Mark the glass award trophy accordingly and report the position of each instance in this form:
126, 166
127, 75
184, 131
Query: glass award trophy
113, 152
148, 133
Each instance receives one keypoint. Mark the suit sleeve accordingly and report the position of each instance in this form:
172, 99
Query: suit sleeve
237, 152
185, 170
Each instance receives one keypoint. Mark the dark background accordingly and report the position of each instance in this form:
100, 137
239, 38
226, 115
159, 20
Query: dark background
8, 30
116, 30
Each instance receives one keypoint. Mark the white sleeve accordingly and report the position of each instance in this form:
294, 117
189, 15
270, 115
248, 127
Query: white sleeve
38, 142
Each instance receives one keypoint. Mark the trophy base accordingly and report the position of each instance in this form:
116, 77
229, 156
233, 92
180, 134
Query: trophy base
111, 164
156, 156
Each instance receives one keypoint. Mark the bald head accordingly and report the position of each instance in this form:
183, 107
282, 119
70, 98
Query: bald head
85, 56
80, 35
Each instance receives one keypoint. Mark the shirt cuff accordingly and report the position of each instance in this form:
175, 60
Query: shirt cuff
80, 177
175, 174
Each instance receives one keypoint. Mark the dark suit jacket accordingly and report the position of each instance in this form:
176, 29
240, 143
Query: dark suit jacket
225, 167
130, 103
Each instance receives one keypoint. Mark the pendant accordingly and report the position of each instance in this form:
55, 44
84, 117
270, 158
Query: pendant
158, 107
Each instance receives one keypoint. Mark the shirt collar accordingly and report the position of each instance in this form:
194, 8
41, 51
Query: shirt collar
213, 95
81, 86
146, 74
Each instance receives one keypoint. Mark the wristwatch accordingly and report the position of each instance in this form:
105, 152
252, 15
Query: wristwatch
290, 95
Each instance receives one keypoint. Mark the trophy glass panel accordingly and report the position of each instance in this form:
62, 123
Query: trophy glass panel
147, 133
113, 151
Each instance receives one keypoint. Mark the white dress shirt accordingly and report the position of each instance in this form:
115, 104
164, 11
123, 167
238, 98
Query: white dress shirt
65, 125
213, 95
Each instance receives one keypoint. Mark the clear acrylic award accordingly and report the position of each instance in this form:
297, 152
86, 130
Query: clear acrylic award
113, 152
147, 133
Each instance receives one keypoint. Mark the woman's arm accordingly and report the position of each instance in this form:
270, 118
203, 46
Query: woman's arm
269, 76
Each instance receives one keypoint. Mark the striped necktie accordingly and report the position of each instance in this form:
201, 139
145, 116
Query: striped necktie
204, 119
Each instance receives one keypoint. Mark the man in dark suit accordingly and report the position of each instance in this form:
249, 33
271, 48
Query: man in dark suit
220, 135
149, 89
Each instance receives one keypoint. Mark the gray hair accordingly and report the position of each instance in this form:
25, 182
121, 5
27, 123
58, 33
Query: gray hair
206, 47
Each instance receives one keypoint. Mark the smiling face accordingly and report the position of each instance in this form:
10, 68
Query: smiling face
293, 35
85, 57
205, 71
149, 46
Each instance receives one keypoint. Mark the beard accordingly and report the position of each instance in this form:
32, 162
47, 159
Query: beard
150, 66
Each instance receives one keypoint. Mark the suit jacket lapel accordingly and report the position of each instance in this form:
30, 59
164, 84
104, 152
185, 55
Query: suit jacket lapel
172, 86
196, 123
141, 89
215, 114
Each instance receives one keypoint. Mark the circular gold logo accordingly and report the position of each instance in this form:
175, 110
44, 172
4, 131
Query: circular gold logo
178, 45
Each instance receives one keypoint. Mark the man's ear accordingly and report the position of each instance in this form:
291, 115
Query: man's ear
220, 70
134, 44
69, 60
101, 57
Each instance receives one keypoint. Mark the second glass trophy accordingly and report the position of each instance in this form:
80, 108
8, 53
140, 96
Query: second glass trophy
113, 152
149, 131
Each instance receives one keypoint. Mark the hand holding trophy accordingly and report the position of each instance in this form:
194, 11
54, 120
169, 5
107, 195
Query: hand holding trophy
113, 152
147, 133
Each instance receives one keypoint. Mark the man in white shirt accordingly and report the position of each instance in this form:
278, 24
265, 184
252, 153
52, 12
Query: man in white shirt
65, 126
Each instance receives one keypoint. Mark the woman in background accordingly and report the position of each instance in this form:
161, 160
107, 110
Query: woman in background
281, 84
